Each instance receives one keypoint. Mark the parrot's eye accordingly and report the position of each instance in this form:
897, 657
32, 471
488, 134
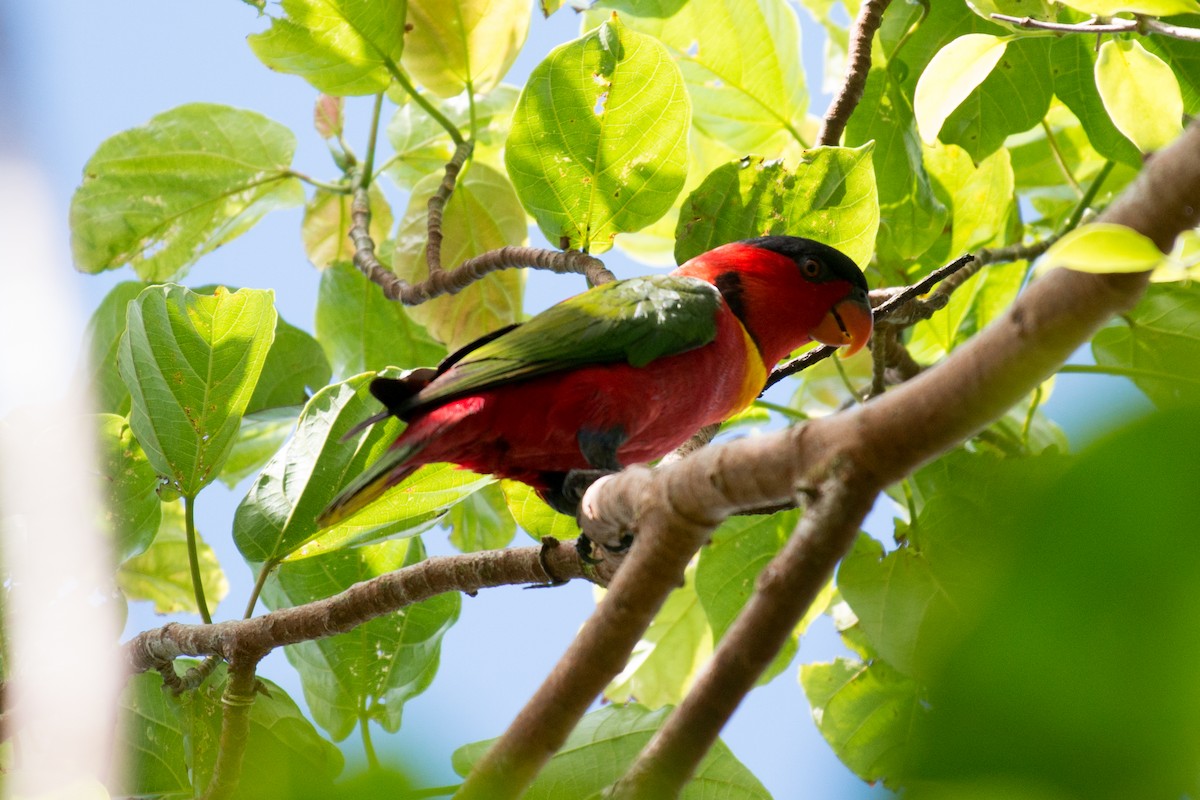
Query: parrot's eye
811, 268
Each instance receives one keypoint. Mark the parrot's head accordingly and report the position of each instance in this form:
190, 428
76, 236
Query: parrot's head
788, 291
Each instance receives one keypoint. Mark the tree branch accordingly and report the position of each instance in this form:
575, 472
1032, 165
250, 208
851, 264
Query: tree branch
858, 64
551, 563
437, 204
237, 699
866, 448
1140, 24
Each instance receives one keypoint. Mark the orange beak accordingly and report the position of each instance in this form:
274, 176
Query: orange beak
849, 322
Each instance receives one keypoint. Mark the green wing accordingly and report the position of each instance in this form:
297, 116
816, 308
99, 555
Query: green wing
633, 321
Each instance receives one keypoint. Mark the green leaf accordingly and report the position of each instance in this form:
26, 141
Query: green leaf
289, 758
602, 747
102, 338
666, 660
1184, 58
1141, 94
729, 567
464, 44
129, 485
260, 435
1037, 9
294, 368
1013, 98
191, 362
325, 230
910, 215
277, 518
599, 138
740, 61
373, 670
1153, 8
953, 74
423, 147
150, 740
1102, 247
891, 595
831, 197
341, 47
1073, 64
162, 574
866, 712
483, 214
191, 179
481, 521
361, 330
534, 516
1157, 344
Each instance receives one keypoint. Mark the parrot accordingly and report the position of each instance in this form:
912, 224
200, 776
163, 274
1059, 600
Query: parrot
621, 374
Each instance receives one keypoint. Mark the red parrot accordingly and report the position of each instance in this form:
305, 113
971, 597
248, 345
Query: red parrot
623, 373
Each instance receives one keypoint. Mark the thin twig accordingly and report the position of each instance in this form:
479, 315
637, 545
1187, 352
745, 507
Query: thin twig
1088, 198
858, 64
437, 204
189, 524
1140, 24
358, 604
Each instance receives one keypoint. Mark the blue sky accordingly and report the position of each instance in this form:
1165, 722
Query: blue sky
80, 71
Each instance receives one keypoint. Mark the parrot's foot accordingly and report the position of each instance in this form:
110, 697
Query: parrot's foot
585, 547
565, 490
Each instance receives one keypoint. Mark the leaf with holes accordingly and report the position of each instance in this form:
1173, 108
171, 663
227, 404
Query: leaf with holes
830, 197
129, 488
341, 47
599, 138
464, 44
191, 362
483, 214
189, 180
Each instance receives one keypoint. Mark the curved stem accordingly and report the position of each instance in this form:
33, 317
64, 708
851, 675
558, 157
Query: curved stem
1059, 159
258, 587
429, 107
364, 728
189, 524
335, 188
368, 170
1088, 197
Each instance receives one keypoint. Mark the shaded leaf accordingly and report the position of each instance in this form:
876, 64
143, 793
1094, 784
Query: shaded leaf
361, 330
483, 214
1073, 63
129, 487
162, 574
325, 230
374, 669
295, 367
260, 435
602, 747
277, 518
953, 74
464, 44
191, 362
481, 521
830, 197
341, 47
599, 138
102, 339
150, 740
189, 180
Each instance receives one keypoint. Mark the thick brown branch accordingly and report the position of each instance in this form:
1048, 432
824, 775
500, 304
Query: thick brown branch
361, 602
437, 204
466, 273
858, 64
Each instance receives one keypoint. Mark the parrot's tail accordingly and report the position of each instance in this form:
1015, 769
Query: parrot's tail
391, 468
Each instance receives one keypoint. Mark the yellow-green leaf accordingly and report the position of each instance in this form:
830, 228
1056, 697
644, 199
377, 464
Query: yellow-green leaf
1153, 8
162, 574
950, 76
534, 516
325, 230
1102, 247
1141, 94
464, 44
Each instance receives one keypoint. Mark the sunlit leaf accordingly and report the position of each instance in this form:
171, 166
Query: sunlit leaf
464, 44
373, 670
361, 330
162, 195
665, 661
954, 73
128, 485
1075, 84
325, 230
534, 516
602, 747
1141, 94
1153, 8
277, 518
191, 362
481, 522
483, 214
599, 138
1184, 58
1157, 344
342, 47
831, 197
162, 574
1102, 247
